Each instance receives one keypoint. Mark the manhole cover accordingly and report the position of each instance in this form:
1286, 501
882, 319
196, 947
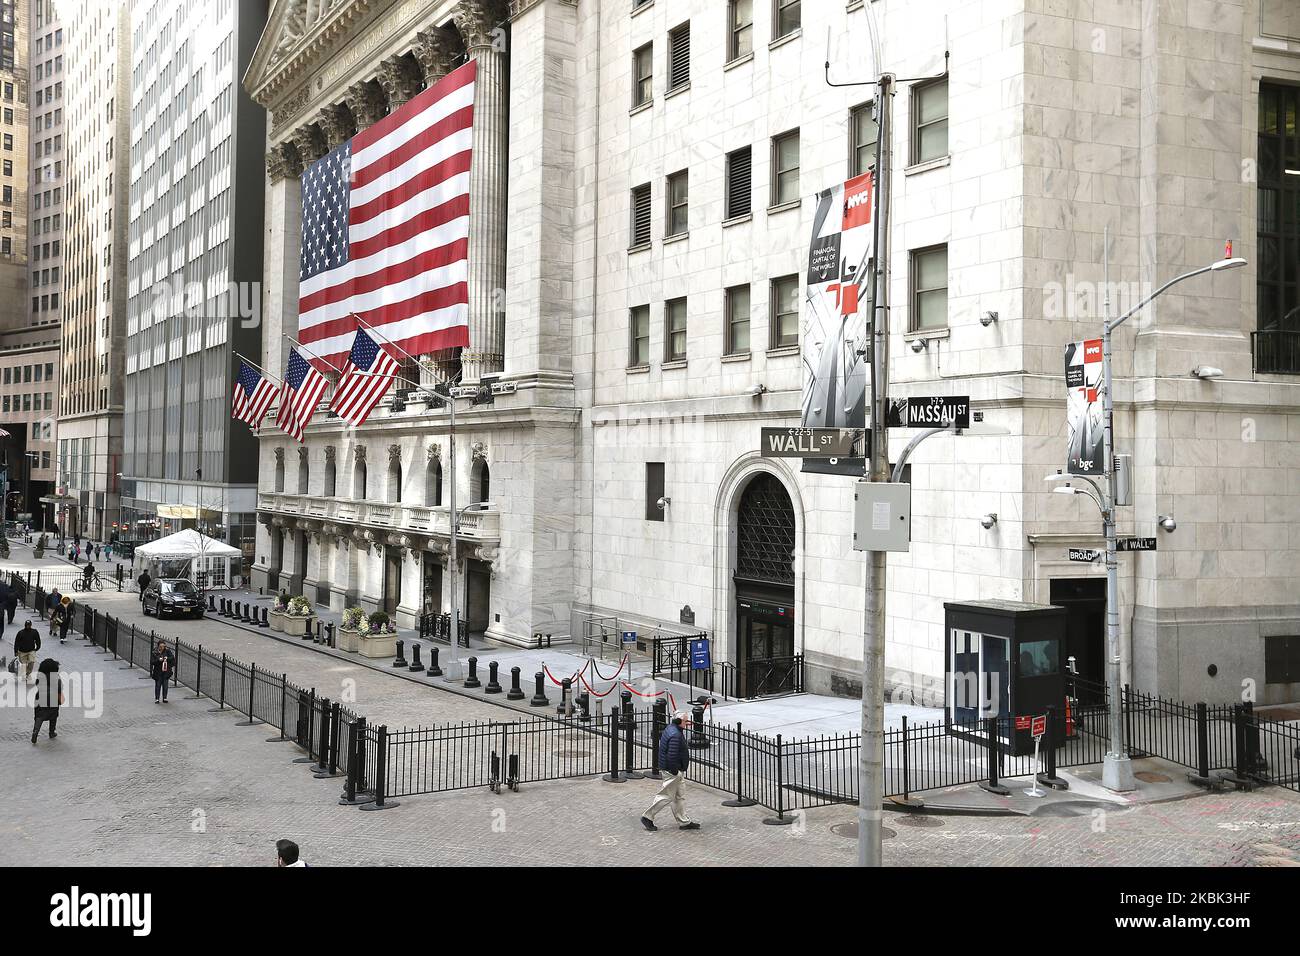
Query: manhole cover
922, 820
850, 831
1150, 776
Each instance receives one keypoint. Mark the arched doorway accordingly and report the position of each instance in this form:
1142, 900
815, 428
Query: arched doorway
765, 588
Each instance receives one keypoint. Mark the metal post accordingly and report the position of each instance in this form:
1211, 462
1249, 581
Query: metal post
613, 776
993, 757
284, 699
381, 801
539, 691
780, 819
1202, 744
658, 723
453, 659
515, 692
741, 800
629, 724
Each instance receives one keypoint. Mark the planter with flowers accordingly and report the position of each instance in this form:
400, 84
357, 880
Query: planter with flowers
354, 619
298, 617
379, 639
276, 615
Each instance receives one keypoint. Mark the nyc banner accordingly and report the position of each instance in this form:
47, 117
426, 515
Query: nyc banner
1083, 405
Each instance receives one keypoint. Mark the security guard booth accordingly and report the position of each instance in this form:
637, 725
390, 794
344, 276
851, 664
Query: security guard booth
1002, 659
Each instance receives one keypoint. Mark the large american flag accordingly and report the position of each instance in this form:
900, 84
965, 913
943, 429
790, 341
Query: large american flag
385, 228
367, 374
298, 395
253, 395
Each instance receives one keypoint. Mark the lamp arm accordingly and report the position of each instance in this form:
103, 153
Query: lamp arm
1147, 301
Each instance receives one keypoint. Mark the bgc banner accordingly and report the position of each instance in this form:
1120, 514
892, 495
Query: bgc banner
1083, 405
836, 316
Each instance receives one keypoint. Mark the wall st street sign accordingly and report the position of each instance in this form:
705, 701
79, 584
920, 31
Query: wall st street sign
1135, 544
929, 411
815, 443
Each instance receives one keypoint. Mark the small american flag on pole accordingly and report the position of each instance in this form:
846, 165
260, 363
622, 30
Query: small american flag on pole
385, 228
299, 394
367, 374
253, 396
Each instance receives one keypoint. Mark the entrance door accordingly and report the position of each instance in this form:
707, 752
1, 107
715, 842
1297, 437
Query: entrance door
478, 594
431, 585
300, 560
765, 648
1085, 626
981, 677
392, 580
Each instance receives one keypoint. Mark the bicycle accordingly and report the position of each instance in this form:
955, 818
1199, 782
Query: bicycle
96, 583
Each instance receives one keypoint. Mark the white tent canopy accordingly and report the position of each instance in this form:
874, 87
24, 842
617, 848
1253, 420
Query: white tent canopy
189, 554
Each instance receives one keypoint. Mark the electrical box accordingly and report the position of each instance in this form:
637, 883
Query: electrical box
882, 516
1124, 480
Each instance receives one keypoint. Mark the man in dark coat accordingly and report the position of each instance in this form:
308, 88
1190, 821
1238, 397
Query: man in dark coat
49, 697
162, 668
143, 580
674, 757
9, 599
26, 643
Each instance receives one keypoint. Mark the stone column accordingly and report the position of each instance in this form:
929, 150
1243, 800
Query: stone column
398, 76
483, 24
283, 241
337, 124
366, 102
436, 51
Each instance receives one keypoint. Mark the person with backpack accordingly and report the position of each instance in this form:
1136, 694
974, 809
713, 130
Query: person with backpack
674, 758
49, 698
26, 643
162, 668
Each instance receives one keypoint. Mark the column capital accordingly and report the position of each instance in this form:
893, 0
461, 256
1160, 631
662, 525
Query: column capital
366, 101
437, 52
282, 162
310, 142
398, 78
482, 23
337, 124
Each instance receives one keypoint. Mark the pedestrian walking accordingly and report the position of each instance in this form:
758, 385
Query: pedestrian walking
64, 614
49, 698
10, 603
26, 643
54, 599
673, 761
143, 580
108, 552
162, 668
98, 548
286, 854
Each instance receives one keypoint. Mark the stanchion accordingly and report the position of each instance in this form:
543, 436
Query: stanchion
566, 700
658, 723
613, 776
629, 725
584, 708
539, 692
698, 739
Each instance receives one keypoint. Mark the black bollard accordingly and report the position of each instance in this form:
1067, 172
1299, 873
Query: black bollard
514, 693
584, 707
416, 664
266, 618
566, 704
492, 686
401, 655
212, 601
548, 640
629, 727
329, 634
698, 741
472, 680
315, 639
245, 619
539, 692
613, 776
658, 723
434, 670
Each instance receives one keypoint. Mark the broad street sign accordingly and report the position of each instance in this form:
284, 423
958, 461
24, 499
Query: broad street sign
815, 443
1084, 554
932, 411
1135, 544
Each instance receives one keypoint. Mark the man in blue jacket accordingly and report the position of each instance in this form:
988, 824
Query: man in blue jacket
673, 760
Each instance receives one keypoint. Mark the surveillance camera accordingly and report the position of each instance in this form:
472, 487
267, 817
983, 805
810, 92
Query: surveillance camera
758, 389
988, 521
1168, 523
663, 503
918, 346
1207, 371
988, 318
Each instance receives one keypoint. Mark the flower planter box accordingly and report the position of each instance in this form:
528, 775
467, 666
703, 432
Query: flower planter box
277, 620
384, 645
348, 640
297, 626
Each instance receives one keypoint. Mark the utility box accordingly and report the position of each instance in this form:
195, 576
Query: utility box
1003, 659
882, 516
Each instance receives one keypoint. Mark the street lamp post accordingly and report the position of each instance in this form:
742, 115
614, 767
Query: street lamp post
1117, 770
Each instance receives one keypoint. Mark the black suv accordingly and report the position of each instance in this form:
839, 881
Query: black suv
175, 596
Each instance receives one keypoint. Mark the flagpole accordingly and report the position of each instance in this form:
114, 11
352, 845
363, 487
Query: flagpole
298, 344
361, 321
248, 361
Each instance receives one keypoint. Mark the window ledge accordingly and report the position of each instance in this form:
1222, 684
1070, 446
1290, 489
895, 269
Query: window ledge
642, 8
676, 237
678, 89
780, 350
641, 248
732, 64
637, 369
736, 357
926, 334
788, 38
673, 363
641, 107
928, 165
737, 220
783, 206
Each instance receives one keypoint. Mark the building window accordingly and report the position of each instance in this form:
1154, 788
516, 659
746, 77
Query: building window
740, 27
6, 246
9, 141
1282, 659
737, 320
675, 330
863, 133
639, 340
930, 121
654, 490
739, 170
785, 14
641, 216
785, 168
1277, 278
676, 196
643, 75
784, 312
930, 288
679, 57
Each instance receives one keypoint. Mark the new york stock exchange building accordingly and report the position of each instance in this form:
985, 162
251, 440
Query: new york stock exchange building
641, 199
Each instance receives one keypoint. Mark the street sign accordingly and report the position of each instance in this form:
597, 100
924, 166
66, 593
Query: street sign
1023, 723
815, 443
629, 637
1135, 544
932, 411
701, 660
1039, 726
1084, 554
